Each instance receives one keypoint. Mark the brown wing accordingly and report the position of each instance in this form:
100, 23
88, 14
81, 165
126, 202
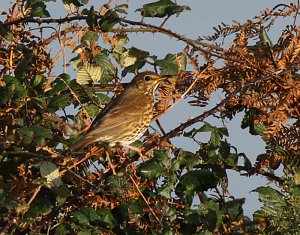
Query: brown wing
127, 108
120, 112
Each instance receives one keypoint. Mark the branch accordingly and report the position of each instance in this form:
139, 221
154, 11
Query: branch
201, 117
24, 20
153, 28
148, 28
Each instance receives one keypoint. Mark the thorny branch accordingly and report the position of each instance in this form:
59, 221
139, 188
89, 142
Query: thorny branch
147, 27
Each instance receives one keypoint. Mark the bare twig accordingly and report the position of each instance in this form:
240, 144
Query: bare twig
145, 200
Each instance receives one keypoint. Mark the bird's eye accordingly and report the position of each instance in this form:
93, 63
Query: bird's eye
147, 78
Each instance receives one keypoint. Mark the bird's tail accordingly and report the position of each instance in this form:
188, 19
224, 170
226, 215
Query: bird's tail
80, 144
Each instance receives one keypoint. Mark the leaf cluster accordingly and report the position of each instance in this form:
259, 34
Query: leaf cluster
171, 190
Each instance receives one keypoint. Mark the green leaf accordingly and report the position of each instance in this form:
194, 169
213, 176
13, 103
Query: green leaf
41, 132
135, 208
138, 53
248, 121
151, 170
37, 80
38, 9
264, 38
50, 171
60, 101
108, 70
89, 73
193, 182
108, 21
6, 32
92, 110
91, 19
247, 162
90, 36
122, 8
5, 95
170, 211
213, 215
122, 212
165, 190
258, 130
215, 139
280, 210
3, 194
121, 39
24, 65
117, 184
103, 98
225, 149
72, 5
216, 134
61, 230
25, 135
85, 1
37, 103
235, 208
137, 144
160, 155
172, 64
62, 194
59, 84
78, 217
224, 131
161, 9
270, 196
107, 217
186, 159
126, 60
208, 215
40, 206
91, 214
132, 59
207, 128
15, 86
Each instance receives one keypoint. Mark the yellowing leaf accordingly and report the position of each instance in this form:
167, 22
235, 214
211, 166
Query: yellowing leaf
89, 73
50, 171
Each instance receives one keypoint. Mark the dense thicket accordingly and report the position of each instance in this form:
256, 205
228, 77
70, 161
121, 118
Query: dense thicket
115, 191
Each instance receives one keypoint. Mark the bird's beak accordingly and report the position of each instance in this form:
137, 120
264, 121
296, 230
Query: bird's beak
163, 77
166, 77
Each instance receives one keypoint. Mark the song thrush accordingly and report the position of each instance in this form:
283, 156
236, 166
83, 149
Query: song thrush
126, 118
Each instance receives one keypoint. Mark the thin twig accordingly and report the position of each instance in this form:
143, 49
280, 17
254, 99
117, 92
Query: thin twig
24, 152
36, 191
204, 115
81, 178
87, 156
181, 97
194, 43
145, 200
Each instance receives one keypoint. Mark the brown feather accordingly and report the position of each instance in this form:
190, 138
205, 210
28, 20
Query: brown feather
126, 117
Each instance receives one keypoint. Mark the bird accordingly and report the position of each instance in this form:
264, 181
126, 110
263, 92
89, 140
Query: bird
127, 117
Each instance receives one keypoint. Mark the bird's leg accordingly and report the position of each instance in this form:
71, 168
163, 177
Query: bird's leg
137, 150
111, 165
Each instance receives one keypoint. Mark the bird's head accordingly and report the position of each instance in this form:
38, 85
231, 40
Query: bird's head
147, 81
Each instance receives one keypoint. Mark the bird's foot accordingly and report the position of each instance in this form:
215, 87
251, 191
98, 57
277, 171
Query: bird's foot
111, 165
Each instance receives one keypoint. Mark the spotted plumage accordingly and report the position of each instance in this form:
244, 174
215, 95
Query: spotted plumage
126, 118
